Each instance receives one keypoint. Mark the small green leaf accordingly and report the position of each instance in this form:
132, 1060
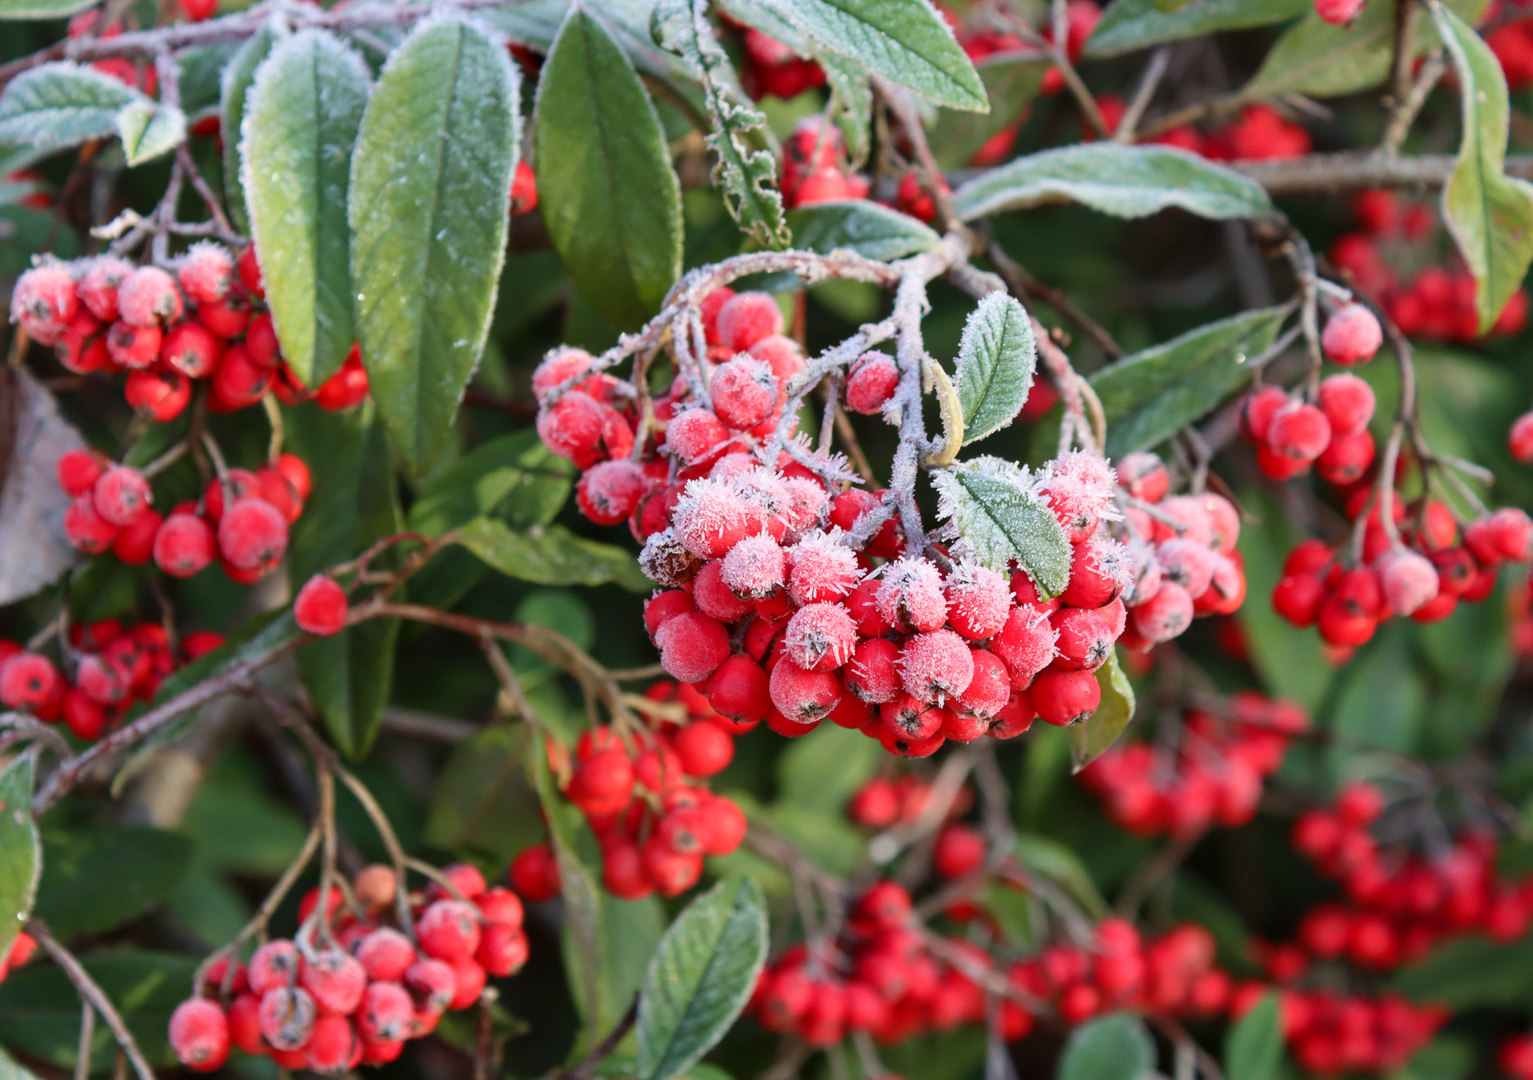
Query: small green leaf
149, 131
1138, 24
201, 70
996, 358
428, 205
1125, 181
348, 676
515, 473
607, 192
1149, 396
1489, 214
745, 171
1113, 1047
41, 9
905, 41
860, 225
1103, 727
1000, 516
59, 105
100, 877
1253, 1049
823, 769
11, 1069
552, 556
235, 86
300, 125
700, 978
1057, 862
1012, 80
21, 859
1470, 973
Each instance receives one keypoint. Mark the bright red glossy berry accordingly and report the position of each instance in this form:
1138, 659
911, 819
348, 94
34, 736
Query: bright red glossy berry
320, 607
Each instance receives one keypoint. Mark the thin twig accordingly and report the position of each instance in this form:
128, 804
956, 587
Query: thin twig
92, 993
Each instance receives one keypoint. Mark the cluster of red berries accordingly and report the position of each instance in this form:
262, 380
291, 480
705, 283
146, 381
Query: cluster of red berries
357, 994
113, 668
771, 68
879, 976
1331, 1034
1181, 553
1398, 906
1423, 578
640, 797
241, 521
885, 801
167, 331
1439, 302
1211, 773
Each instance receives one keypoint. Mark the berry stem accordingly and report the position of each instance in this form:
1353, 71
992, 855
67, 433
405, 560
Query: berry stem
90, 992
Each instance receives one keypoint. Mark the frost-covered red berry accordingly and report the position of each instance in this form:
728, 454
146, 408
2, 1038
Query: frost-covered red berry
1352, 335
149, 297
121, 494
133, 346
199, 1035
572, 427
710, 518
1144, 476
803, 697
1100, 570
1338, 12
1347, 401
448, 931
1163, 616
206, 272
287, 1016
28, 681
695, 435
746, 318
43, 302
978, 600
910, 596
78, 471
936, 665
158, 393
99, 283
332, 1045
820, 637
334, 979
273, 964
610, 491
385, 1013
248, 267
87, 529
1085, 638
692, 646
820, 568
744, 392
1299, 431
191, 349
320, 607
1079, 488
1520, 438
738, 690
251, 534
873, 380
873, 673
1408, 580
1026, 643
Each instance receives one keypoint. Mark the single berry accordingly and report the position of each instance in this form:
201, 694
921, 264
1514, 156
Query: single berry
148, 297
1065, 697
872, 383
1352, 335
121, 494
199, 1035
320, 607
206, 272
251, 534
191, 349
448, 931
744, 393
287, 1016
747, 318
43, 302
385, 954
1348, 403
78, 471
99, 284
334, 979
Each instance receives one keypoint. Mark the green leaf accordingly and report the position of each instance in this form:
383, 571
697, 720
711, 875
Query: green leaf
1151, 395
149, 131
21, 859
1000, 516
823, 769
1321, 59
11, 1069
430, 191
100, 877
606, 189
1138, 24
905, 41
40, 1009
62, 104
42, 9
552, 556
1489, 214
1125, 181
1113, 1047
1470, 973
484, 805
700, 978
201, 76
300, 126
1012, 80
745, 170
514, 473
237, 80
1057, 862
860, 225
1103, 727
348, 676
996, 358
1253, 1049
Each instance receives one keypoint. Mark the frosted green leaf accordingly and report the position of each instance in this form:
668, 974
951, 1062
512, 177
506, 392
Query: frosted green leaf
1138, 24
862, 226
996, 358
59, 105
149, 131
238, 77
1000, 516
21, 861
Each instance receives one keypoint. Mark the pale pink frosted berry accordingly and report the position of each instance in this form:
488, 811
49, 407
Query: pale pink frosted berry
1165, 615
744, 392
1347, 401
1144, 476
1079, 487
820, 567
873, 672
44, 302
334, 979
1408, 579
803, 697
1351, 336
1100, 570
321, 606
781, 354
1025, 644
747, 318
199, 1035
1338, 11
978, 600
99, 284
807, 500
733, 466
572, 427
1146, 573
872, 383
936, 665
1190, 520
205, 272
820, 637
287, 1016
121, 494
710, 518
385, 954
610, 490
695, 434
149, 297
557, 368
754, 568
767, 500
910, 596
988, 691
692, 646
1189, 564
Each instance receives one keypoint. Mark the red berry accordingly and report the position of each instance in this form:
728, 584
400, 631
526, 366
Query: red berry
206, 271
744, 392
535, 874
345, 389
28, 681
821, 637
502, 949
332, 1045
320, 607
249, 270
959, 852
1520, 438
738, 690
191, 349
692, 646
134, 544
386, 1012
273, 964
1064, 697
524, 190
133, 346
334, 979
1347, 401
183, 545
148, 297
86, 529
1352, 335
872, 383
801, 696
226, 318
98, 286
121, 494
1257, 411
159, 393
199, 1035
1338, 12
238, 380
747, 318
251, 534
287, 1016
448, 931
44, 302
704, 748
78, 471
1299, 431
385, 954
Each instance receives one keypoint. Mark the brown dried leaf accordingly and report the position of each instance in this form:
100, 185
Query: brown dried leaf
34, 551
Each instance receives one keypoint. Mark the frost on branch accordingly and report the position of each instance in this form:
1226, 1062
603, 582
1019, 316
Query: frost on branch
1000, 515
